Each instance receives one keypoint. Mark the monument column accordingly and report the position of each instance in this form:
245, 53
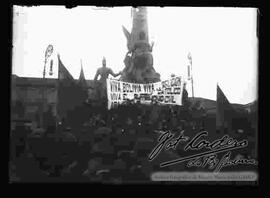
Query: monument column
139, 60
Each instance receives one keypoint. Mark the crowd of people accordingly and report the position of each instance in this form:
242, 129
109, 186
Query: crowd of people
106, 146
108, 143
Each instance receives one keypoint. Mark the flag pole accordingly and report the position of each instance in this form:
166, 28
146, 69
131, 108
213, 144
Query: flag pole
192, 87
191, 73
43, 94
57, 96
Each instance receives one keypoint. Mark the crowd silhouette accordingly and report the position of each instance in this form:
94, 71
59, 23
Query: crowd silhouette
94, 144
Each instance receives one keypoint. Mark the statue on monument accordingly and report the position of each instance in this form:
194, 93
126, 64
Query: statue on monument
139, 60
103, 72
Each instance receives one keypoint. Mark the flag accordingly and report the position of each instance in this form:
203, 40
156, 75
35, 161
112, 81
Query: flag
66, 90
82, 81
71, 96
81, 78
63, 73
82, 87
225, 111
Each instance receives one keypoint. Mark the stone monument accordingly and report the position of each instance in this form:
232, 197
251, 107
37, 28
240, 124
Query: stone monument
139, 60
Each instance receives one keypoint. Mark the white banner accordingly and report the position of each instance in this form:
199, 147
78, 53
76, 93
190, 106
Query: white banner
164, 92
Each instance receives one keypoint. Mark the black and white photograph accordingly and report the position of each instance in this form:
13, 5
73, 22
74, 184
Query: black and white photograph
134, 95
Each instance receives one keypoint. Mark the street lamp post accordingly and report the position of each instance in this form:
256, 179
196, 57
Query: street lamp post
48, 53
191, 74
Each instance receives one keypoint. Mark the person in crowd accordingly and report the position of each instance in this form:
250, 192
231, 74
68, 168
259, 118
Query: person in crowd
67, 153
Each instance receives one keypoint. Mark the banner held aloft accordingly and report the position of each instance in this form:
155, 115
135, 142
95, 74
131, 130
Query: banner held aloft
168, 92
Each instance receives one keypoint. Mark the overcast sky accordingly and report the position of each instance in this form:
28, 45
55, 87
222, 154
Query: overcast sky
222, 42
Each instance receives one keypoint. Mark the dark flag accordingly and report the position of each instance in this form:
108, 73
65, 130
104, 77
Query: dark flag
82, 81
63, 73
82, 88
71, 96
66, 88
225, 112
